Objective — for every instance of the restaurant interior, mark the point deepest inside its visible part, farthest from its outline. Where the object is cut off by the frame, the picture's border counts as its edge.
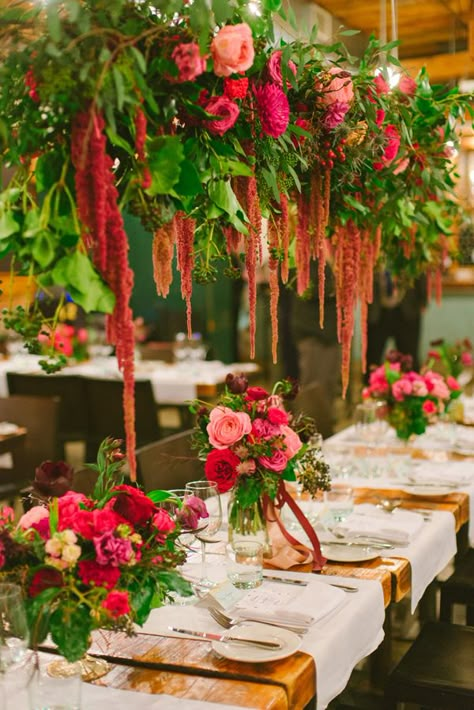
(236, 354)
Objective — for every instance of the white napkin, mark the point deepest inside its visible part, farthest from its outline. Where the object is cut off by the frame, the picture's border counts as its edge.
(8, 428)
(399, 527)
(439, 472)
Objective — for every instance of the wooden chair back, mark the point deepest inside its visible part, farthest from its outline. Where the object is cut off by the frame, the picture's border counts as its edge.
(169, 463)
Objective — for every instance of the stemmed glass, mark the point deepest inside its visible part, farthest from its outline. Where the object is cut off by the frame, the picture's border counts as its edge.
(208, 492)
(14, 635)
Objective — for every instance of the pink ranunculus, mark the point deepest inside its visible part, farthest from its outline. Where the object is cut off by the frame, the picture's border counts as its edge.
(112, 550)
(401, 388)
(392, 145)
(381, 86)
(339, 88)
(276, 462)
(274, 68)
(264, 429)
(429, 407)
(419, 388)
(277, 415)
(163, 521)
(407, 85)
(466, 359)
(227, 427)
(256, 393)
(33, 517)
(335, 114)
(291, 441)
(452, 383)
(232, 49)
(68, 507)
(187, 58)
(226, 112)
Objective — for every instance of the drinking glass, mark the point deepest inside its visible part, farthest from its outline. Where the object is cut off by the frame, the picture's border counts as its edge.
(339, 501)
(208, 492)
(244, 564)
(14, 635)
(370, 422)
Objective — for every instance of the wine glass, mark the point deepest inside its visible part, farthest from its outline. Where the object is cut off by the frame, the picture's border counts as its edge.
(14, 635)
(208, 492)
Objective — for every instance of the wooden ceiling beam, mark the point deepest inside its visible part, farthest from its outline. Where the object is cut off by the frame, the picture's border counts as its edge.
(443, 67)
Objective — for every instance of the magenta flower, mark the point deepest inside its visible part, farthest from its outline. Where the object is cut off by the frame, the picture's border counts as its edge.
(274, 68)
(111, 550)
(189, 61)
(273, 109)
(226, 113)
(335, 114)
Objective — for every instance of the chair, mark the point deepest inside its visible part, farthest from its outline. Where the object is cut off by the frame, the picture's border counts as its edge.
(169, 463)
(84, 481)
(459, 589)
(312, 401)
(72, 394)
(39, 415)
(437, 671)
(104, 401)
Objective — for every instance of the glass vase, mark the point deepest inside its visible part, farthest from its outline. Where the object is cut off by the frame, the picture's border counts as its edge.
(247, 523)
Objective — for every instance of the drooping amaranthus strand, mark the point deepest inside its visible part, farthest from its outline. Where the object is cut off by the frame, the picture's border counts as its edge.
(88, 152)
(252, 249)
(233, 239)
(303, 245)
(164, 240)
(370, 245)
(284, 222)
(318, 222)
(273, 262)
(347, 259)
(140, 139)
(185, 227)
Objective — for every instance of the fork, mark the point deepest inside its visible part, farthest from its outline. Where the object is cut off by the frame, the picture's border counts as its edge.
(227, 622)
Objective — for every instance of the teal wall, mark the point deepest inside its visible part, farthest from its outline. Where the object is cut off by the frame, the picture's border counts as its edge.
(452, 320)
(212, 304)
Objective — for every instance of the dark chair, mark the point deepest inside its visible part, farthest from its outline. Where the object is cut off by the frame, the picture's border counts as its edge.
(437, 671)
(169, 463)
(39, 415)
(311, 400)
(84, 481)
(104, 399)
(72, 394)
(459, 589)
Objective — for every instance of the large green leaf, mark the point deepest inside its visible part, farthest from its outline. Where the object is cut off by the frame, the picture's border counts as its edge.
(141, 596)
(222, 194)
(189, 183)
(70, 628)
(44, 248)
(8, 225)
(165, 156)
(77, 275)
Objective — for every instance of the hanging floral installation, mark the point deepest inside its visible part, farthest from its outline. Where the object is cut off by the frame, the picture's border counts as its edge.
(192, 117)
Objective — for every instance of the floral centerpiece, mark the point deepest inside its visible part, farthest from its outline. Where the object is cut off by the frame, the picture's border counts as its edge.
(413, 399)
(89, 562)
(66, 340)
(450, 358)
(251, 445)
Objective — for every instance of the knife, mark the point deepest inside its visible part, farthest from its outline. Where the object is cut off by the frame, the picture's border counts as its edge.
(275, 645)
(359, 543)
(285, 580)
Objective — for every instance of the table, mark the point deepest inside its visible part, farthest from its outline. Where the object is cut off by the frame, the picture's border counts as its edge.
(12, 442)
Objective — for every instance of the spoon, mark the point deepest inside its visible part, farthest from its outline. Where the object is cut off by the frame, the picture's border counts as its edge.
(389, 504)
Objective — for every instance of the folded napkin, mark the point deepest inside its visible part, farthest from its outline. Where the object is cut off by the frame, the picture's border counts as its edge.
(439, 472)
(398, 527)
(286, 556)
(8, 428)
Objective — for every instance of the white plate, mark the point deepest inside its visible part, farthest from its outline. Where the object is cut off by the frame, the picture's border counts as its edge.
(421, 490)
(290, 643)
(357, 553)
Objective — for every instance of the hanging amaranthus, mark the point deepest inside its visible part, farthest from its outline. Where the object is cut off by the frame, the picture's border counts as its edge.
(140, 139)
(284, 237)
(273, 262)
(252, 249)
(162, 253)
(369, 254)
(185, 227)
(303, 245)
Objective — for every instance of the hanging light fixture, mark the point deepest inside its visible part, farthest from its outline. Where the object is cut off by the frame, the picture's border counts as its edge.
(392, 74)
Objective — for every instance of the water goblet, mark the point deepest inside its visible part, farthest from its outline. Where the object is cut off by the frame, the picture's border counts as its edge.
(208, 492)
(244, 563)
(339, 501)
(14, 634)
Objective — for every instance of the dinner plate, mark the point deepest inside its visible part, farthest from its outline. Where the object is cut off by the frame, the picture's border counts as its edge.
(339, 553)
(290, 642)
(430, 491)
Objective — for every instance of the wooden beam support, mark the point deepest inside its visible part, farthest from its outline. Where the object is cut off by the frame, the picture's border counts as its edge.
(443, 67)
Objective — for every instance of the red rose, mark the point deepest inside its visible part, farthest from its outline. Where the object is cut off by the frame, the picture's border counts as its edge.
(44, 579)
(256, 393)
(91, 572)
(132, 504)
(277, 416)
(221, 467)
(236, 88)
(117, 604)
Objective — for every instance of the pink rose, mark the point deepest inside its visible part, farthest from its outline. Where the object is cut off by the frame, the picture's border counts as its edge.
(189, 61)
(401, 389)
(466, 359)
(335, 114)
(163, 521)
(274, 68)
(339, 88)
(256, 393)
(227, 427)
(33, 517)
(264, 429)
(291, 441)
(407, 85)
(381, 86)
(277, 415)
(68, 506)
(452, 383)
(226, 112)
(429, 407)
(276, 462)
(232, 49)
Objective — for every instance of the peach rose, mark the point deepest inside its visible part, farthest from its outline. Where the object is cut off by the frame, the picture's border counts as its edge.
(338, 89)
(292, 442)
(34, 515)
(232, 49)
(227, 427)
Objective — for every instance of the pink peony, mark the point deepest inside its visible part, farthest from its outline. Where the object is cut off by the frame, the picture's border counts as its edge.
(111, 550)
(264, 429)
(429, 407)
(227, 427)
(407, 85)
(226, 112)
(401, 388)
(335, 114)
(277, 415)
(276, 462)
(273, 109)
(291, 441)
(232, 49)
(336, 88)
(189, 61)
(392, 145)
(274, 68)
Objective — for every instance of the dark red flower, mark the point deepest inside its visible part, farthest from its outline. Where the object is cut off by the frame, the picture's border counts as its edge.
(236, 88)
(221, 467)
(256, 393)
(44, 579)
(237, 384)
(53, 478)
(91, 572)
(132, 504)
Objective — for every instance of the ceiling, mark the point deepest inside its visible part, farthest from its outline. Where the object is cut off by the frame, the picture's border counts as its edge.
(426, 29)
